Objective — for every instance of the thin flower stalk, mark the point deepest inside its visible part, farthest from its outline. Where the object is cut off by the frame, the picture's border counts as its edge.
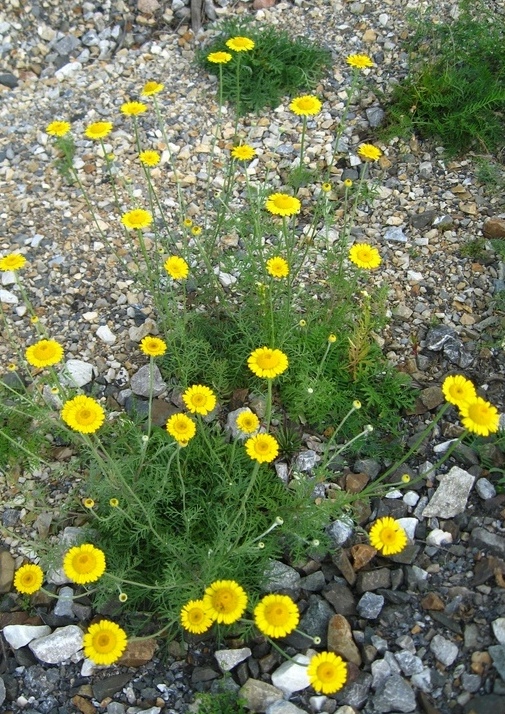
(334, 436)
(110, 173)
(180, 196)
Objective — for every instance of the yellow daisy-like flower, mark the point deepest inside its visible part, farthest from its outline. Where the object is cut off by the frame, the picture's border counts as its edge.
(83, 414)
(369, 152)
(480, 417)
(406, 478)
(34, 319)
(176, 267)
(387, 536)
(359, 61)
(149, 158)
(153, 346)
(199, 399)
(364, 256)
(88, 503)
(219, 57)
(181, 427)
(332, 338)
(104, 642)
(28, 579)
(282, 204)
(58, 128)
(277, 267)
(244, 152)
(133, 109)
(458, 390)
(113, 503)
(240, 44)
(84, 564)
(225, 601)
(326, 187)
(262, 447)
(196, 230)
(151, 88)
(12, 367)
(44, 353)
(187, 223)
(247, 422)
(12, 262)
(276, 615)
(306, 106)
(268, 363)
(327, 672)
(195, 617)
(137, 219)
(348, 183)
(98, 130)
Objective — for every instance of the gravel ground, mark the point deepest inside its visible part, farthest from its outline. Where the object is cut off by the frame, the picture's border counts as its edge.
(432, 645)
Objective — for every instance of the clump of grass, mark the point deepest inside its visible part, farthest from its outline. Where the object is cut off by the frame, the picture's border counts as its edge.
(455, 91)
(278, 66)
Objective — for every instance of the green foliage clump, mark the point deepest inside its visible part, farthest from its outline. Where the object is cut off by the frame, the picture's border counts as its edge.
(455, 89)
(277, 66)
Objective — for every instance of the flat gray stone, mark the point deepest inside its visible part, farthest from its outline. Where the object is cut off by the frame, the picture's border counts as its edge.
(291, 676)
(141, 382)
(451, 496)
(20, 635)
(77, 373)
(396, 696)
(282, 707)
(490, 542)
(370, 606)
(281, 577)
(340, 531)
(58, 646)
(499, 629)
(444, 650)
(63, 607)
(497, 653)
(228, 659)
(259, 695)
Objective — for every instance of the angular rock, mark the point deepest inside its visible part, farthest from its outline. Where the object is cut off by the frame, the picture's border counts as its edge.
(77, 373)
(497, 653)
(314, 623)
(63, 607)
(340, 640)
(307, 460)
(444, 650)
(58, 646)
(410, 664)
(362, 554)
(494, 228)
(108, 687)
(105, 334)
(20, 635)
(438, 537)
(228, 659)
(142, 384)
(279, 576)
(341, 597)
(490, 542)
(340, 531)
(314, 582)
(3, 693)
(137, 653)
(499, 629)
(291, 676)
(370, 580)
(381, 671)
(396, 696)
(370, 606)
(259, 695)
(7, 568)
(451, 496)
(357, 693)
(395, 234)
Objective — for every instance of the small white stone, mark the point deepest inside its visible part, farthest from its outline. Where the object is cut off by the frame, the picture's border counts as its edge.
(395, 493)
(105, 334)
(8, 298)
(499, 629)
(68, 70)
(77, 373)
(20, 635)
(409, 525)
(438, 537)
(411, 498)
(228, 659)
(90, 316)
(292, 676)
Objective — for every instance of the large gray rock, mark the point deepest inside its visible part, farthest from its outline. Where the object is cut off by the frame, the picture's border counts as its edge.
(258, 695)
(228, 659)
(451, 496)
(142, 384)
(280, 577)
(58, 646)
(20, 635)
(444, 650)
(396, 696)
(291, 676)
(490, 542)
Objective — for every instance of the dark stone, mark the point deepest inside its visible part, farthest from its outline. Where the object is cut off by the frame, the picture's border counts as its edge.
(341, 597)
(314, 623)
(40, 682)
(8, 80)
(109, 686)
(423, 220)
(370, 580)
(397, 695)
(490, 542)
(446, 621)
(10, 516)
(485, 704)
(356, 693)
(203, 674)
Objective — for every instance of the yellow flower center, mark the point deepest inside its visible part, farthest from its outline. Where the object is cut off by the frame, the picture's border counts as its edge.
(283, 201)
(388, 535)
(84, 563)
(104, 642)
(326, 672)
(195, 616)
(267, 360)
(28, 579)
(276, 615)
(224, 601)
(479, 413)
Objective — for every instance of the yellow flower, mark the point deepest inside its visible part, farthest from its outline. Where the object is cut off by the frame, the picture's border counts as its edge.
(387, 536)
(348, 183)
(195, 617)
(153, 346)
(356, 404)
(44, 353)
(151, 88)
(359, 61)
(302, 323)
(83, 414)
(458, 390)
(133, 109)
(332, 338)
(28, 579)
(122, 597)
(176, 267)
(262, 448)
(84, 564)
(277, 267)
(306, 106)
(58, 128)
(276, 615)
(369, 152)
(225, 601)
(199, 399)
(113, 503)
(247, 422)
(364, 256)
(34, 319)
(196, 230)
(405, 478)
(149, 158)
(326, 187)
(240, 44)
(282, 204)
(12, 262)
(137, 219)
(12, 367)
(244, 152)
(219, 57)
(98, 130)
(480, 417)
(187, 223)
(181, 427)
(104, 642)
(267, 362)
(88, 503)
(327, 672)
